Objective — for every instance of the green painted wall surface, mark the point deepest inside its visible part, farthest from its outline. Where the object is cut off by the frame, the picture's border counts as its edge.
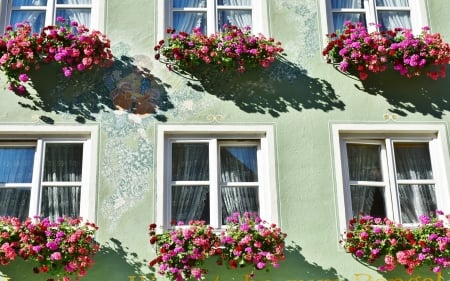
(300, 97)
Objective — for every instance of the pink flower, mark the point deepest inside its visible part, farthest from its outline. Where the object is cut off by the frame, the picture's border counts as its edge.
(56, 256)
(23, 77)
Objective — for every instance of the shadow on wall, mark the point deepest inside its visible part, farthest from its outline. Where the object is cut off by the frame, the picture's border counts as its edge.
(124, 86)
(415, 95)
(281, 87)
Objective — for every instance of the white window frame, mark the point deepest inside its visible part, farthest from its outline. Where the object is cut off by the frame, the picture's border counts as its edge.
(39, 135)
(264, 134)
(418, 13)
(434, 134)
(259, 16)
(97, 12)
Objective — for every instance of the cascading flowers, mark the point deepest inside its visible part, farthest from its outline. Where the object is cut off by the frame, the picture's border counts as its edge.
(408, 54)
(62, 248)
(71, 45)
(370, 239)
(233, 48)
(246, 241)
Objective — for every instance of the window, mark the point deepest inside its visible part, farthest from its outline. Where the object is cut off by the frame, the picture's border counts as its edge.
(45, 174)
(211, 15)
(210, 172)
(387, 14)
(394, 171)
(40, 13)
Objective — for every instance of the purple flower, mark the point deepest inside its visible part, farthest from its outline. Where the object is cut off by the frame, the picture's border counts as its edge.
(52, 245)
(23, 77)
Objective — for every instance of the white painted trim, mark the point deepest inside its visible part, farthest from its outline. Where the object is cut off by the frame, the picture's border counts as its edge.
(264, 133)
(438, 147)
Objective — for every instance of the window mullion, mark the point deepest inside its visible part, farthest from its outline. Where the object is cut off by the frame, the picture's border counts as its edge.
(35, 196)
(393, 210)
(50, 13)
(214, 187)
(211, 16)
(371, 14)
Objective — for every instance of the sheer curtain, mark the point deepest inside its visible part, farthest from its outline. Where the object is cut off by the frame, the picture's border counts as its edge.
(240, 18)
(80, 15)
(238, 165)
(186, 21)
(393, 19)
(339, 18)
(35, 17)
(63, 166)
(413, 163)
(364, 164)
(190, 162)
(16, 166)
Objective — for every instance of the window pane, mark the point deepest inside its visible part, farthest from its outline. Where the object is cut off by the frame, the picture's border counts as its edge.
(63, 162)
(82, 16)
(393, 19)
(234, 2)
(239, 200)
(16, 164)
(29, 3)
(368, 200)
(364, 162)
(392, 3)
(412, 161)
(239, 18)
(186, 21)
(190, 203)
(416, 200)
(75, 2)
(340, 18)
(190, 162)
(58, 201)
(35, 18)
(189, 3)
(238, 164)
(355, 4)
(14, 202)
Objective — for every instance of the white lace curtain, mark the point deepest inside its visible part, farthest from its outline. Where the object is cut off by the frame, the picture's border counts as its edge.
(412, 163)
(187, 20)
(37, 17)
(190, 162)
(388, 19)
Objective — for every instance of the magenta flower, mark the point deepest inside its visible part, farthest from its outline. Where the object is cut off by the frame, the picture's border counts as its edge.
(23, 77)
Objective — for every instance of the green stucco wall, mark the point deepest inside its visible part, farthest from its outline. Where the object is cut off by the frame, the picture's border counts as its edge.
(300, 97)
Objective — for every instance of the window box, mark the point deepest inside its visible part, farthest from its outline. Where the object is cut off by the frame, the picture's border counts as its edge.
(357, 50)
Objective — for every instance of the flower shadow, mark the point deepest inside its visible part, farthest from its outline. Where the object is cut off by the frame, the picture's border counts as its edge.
(86, 95)
(275, 90)
(410, 96)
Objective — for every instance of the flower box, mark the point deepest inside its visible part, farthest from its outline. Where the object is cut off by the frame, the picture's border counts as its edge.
(410, 55)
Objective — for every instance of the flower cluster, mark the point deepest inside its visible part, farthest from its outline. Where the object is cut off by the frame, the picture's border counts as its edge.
(408, 54)
(61, 248)
(233, 48)
(247, 240)
(71, 45)
(370, 239)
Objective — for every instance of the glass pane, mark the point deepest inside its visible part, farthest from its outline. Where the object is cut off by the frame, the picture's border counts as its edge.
(35, 18)
(393, 19)
(364, 162)
(16, 164)
(416, 200)
(14, 202)
(82, 16)
(392, 3)
(190, 203)
(340, 18)
(189, 3)
(239, 199)
(238, 164)
(190, 162)
(74, 2)
(59, 201)
(368, 200)
(355, 4)
(186, 21)
(29, 3)
(239, 18)
(234, 2)
(63, 162)
(412, 161)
